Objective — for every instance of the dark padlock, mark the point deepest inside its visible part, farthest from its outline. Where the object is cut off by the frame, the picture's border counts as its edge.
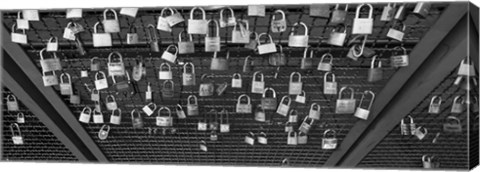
(375, 73)
(452, 125)
(269, 103)
(247, 64)
(137, 120)
(278, 58)
(219, 63)
(307, 63)
(123, 86)
(152, 38)
(168, 89)
(79, 44)
(206, 87)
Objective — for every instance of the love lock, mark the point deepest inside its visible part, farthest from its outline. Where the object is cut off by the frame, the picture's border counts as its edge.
(307, 63)
(185, 47)
(188, 78)
(339, 16)
(17, 137)
(401, 60)
(123, 86)
(219, 64)
(429, 162)
(295, 87)
(302, 138)
(97, 116)
(66, 87)
(434, 108)
(52, 44)
(363, 26)
(137, 121)
(314, 112)
(324, 66)
(180, 112)
(111, 25)
(388, 12)
(256, 10)
(278, 58)
(152, 38)
(293, 116)
(103, 133)
(230, 21)
(422, 9)
(149, 108)
(320, 10)
(301, 98)
(206, 87)
(116, 68)
(12, 103)
(212, 43)
(267, 47)
(363, 113)
(165, 72)
(100, 39)
(192, 108)
(51, 64)
(116, 117)
(269, 103)
(132, 35)
(284, 108)
(345, 105)
(292, 138)
(236, 80)
(162, 23)
(224, 122)
(49, 80)
(397, 32)
(197, 26)
(329, 142)
(110, 103)
(243, 107)
(329, 87)
(298, 40)
(20, 38)
(407, 129)
(260, 115)
(168, 89)
(258, 86)
(241, 36)
(164, 121)
(20, 118)
(375, 73)
(262, 138)
(452, 125)
(247, 64)
(306, 125)
(169, 56)
(250, 138)
(421, 135)
(213, 121)
(279, 25)
(458, 104)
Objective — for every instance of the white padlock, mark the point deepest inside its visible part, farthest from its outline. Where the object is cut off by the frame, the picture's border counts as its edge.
(363, 26)
(298, 40)
(197, 26)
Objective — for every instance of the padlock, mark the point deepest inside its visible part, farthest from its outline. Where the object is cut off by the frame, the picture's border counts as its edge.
(298, 40)
(329, 142)
(77, 28)
(278, 58)
(22, 23)
(363, 26)
(458, 105)
(267, 47)
(20, 38)
(83, 73)
(168, 89)
(12, 103)
(314, 111)
(337, 38)
(252, 43)
(362, 112)
(115, 68)
(250, 138)
(150, 108)
(164, 121)
(397, 32)
(212, 43)
(452, 125)
(422, 9)
(97, 116)
(110, 103)
(80, 48)
(401, 60)
(405, 128)
(138, 69)
(185, 47)
(301, 98)
(85, 115)
(169, 56)
(94, 66)
(269, 103)
(295, 87)
(116, 117)
(175, 18)
(206, 87)
(289, 127)
(101, 84)
(213, 121)
(320, 10)
(282, 107)
(388, 12)
(20, 118)
(434, 108)
(197, 26)
(247, 65)
(180, 112)
(345, 105)
(279, 25)
(123, 86)
(111, 25)
(357, 50)
(132, 12)
(162, 23)
(419, 134)
(74, 13)
(329, 87)
(324, 66)
(306, 125)
(258, 86)
(241, 36)
(213, 135)
(256, 10)
(224, 121)
(98, 106)
(203, 146)
(132, 35)
(100, 39)
(307, 63)
(52, 44)
(243, 107)
(293, 116)
(475, 105)
(229, 21)
(188, 78)
(74, 99)
(236, 80)
(466, 68)
(152, 38)
(292, 138)
(103, 133)
(69, 31)
(49, 80)
(202, 123)
(31, 15)
(429, 162)
(148, 93)
(50, 64)
(17, 137)
(400, 13)
(302, 138)
(375, 73)
(260, 115)
(219, 64)
(262, 138)
(192, 108)
(95, 95)
(165, 72)
(339, 16)
(65, 87)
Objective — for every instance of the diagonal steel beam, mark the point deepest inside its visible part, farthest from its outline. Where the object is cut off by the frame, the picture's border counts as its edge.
(34, 75)
(433, 71)
(445, 23)
(473, 34)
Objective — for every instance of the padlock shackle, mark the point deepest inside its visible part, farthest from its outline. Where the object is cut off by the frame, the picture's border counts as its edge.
(372, 64)
(190, 97)
(95, 111)
(306, 51)
(111, 97)
(311, 120)
(163, 10)
(281, 12)
(53, 38)
(236, 75)
(180, 36)
(154, 106)
(435, 98)
(327, 55)
(20, 115)
(239, 22)
(11, 96)
(15, 125)
(165, 64)
(371, 100)
(283, 99)
(43, 50)
(362, 47)
(133, 112)
(103, 128)
(192, 66)
(99, 72)
(352, 92)
(120, 57)
(217, 28)
(338, 5)
(126, 75)
(224, 112)
(204, 76)
(93, 59)
(239, 100)
(68, 76)
(333, 132)
(231, 12)
(14, 25)
(370, 13)
(204, 17)
(341, 25)
(213, 111)
(255, 76)
(132, 28)
(296, 74)
(117, 110)
(326, 76)
(290, 134)
(424, 129)
(19, 15)
(459, 97)
(397, 26)
(260, 36)
(151, 33)
(88, 109)
(454, 118)
(159, 112)
(245, 62)
(174, 46)
(264, 95)
(299, 23)
(166, 82)
(401, 49)
(315, 105)
(105, 14)
(293, 112)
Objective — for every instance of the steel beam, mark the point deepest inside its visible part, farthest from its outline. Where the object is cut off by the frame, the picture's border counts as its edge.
(445, 23)
(473, 34)
(34, 75)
